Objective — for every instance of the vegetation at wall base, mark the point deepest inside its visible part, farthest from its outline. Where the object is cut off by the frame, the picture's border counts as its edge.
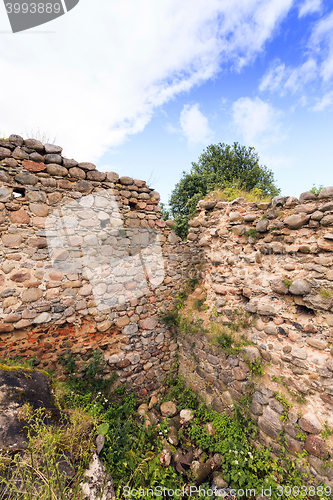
(230, 171)
(134, 443)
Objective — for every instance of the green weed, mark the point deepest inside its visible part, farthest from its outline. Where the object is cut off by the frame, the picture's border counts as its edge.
(316, 190)
(327, 432)
(251, 232)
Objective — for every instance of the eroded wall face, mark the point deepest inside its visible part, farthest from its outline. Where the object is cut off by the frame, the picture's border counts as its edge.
(270, 264)
(86, 263)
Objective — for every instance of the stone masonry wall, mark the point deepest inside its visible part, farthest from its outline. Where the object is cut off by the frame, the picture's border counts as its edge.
(85, 262)
(275, 263)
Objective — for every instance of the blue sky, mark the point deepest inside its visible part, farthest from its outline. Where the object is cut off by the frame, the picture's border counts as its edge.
(142, 87)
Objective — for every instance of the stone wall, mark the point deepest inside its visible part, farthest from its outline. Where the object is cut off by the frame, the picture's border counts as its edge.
(273, 264)
(85, 262)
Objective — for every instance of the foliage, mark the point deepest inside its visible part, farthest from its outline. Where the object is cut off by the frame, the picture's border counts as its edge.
(164, 211)
(300, 398)
(92, 379)
(239, 320)
(326, 294)
(327, 432)
(227, 341)
(230, 168)
(256, 367)
(224, 340)
(251, 232)
(39, 472)
(18, 363)
(286, 405)
(172, 317)
(244, 466)
(131, 453)
(185, 396)
(316, 190)
(132, 448)
(235, 189)
(287, 283)
(199, 303)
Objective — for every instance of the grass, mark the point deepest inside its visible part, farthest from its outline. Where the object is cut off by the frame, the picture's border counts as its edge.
(234, 191)
(327, 432)
(326, 294)
(18, 364)
(172, 317)
(251, 232)
(133, 446)
(227, 340)
(287, 283)
(198, 304)
(316, 190)
(256, 368)
(43, 137)
(58, 452)
(239, 320)
(298, 397)
(53, 465)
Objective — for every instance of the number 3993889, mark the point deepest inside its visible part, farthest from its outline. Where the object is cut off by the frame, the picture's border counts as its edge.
(33, 8)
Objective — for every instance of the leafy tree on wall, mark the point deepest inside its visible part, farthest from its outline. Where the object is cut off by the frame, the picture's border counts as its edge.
(219, 166)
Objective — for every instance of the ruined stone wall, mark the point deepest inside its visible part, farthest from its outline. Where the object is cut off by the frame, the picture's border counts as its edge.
(270, 264)
(85, 262)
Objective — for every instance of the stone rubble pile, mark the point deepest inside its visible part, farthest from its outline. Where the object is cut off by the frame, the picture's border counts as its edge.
(191, 462)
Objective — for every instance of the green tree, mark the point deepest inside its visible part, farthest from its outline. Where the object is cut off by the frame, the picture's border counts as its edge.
(219, 166)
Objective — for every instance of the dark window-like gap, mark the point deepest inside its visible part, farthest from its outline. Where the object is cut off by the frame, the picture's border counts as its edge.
(19, 192)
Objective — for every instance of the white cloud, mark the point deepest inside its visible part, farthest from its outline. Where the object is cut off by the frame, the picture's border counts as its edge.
(324, 102)
(277, 161)
(281, 78)
(309, 7)
(321, 42)
(256, 120)
(318, 67)
(195, 125)
(99, 77)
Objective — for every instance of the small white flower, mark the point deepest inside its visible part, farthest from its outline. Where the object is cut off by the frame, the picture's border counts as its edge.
(236, 452)
(236, 462)
(242, 452)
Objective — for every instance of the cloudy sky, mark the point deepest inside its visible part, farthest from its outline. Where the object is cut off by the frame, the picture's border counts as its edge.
(141, 87)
